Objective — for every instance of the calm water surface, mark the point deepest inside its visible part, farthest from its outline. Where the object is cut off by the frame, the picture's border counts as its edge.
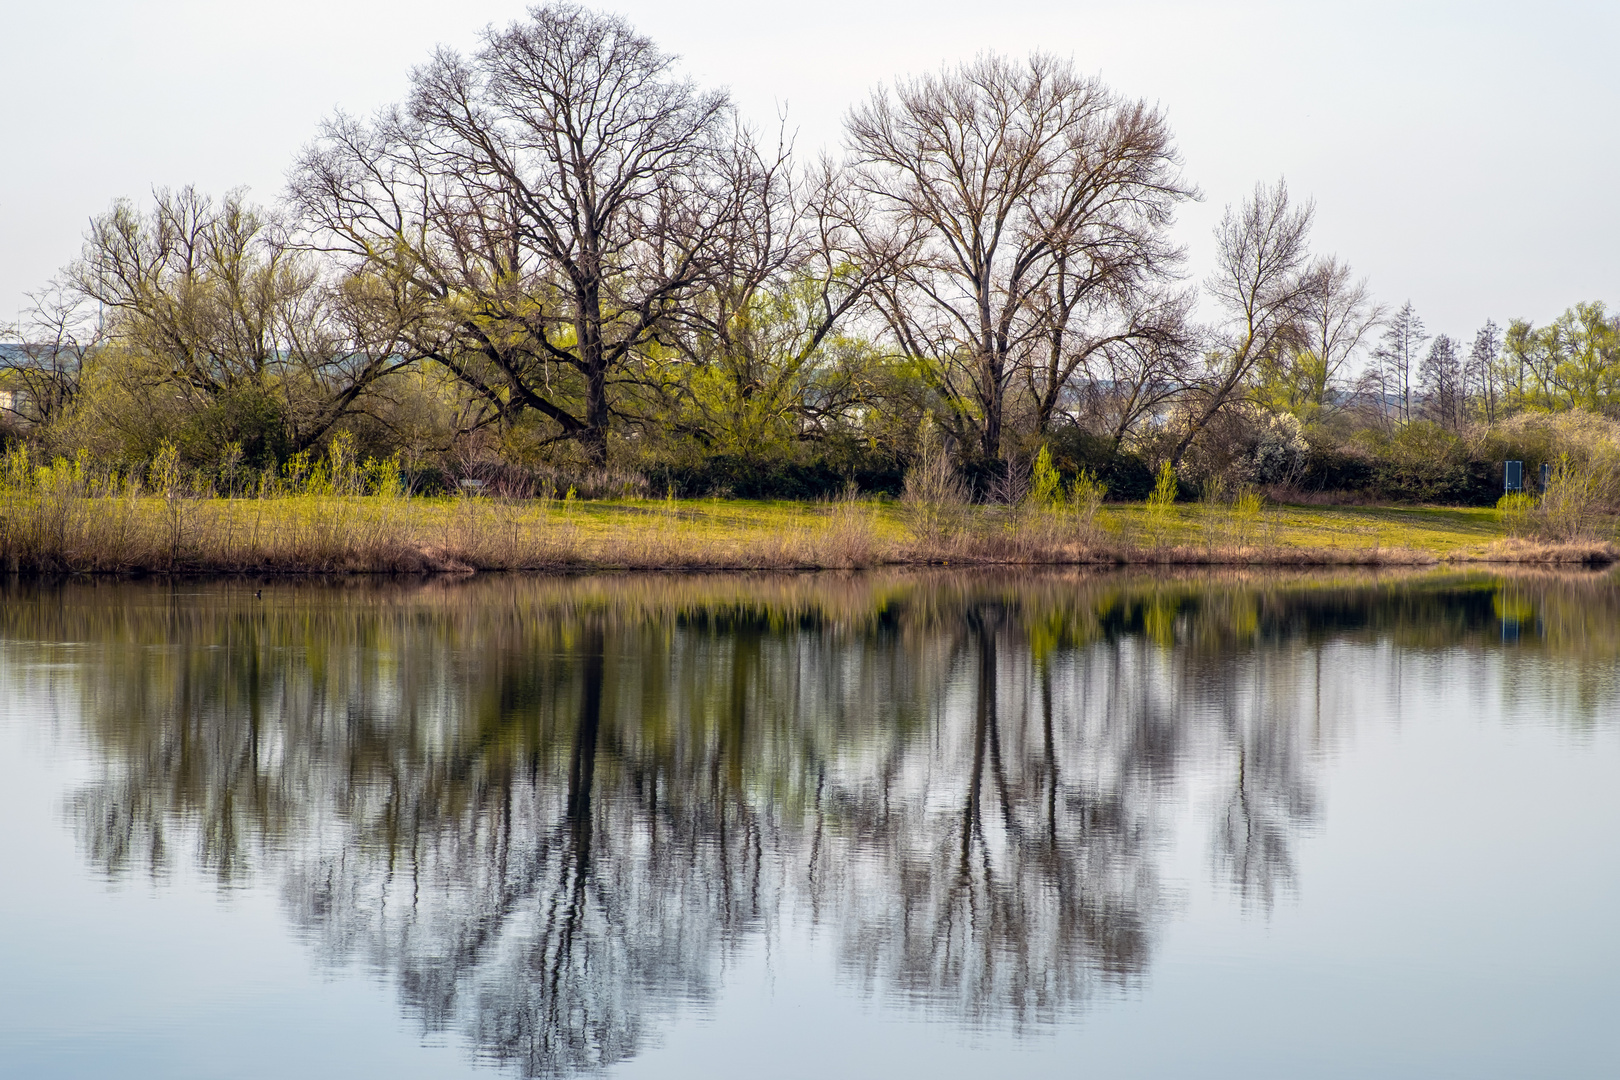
(879, 826)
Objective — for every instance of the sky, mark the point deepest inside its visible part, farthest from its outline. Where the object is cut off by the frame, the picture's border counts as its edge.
(1463, 156)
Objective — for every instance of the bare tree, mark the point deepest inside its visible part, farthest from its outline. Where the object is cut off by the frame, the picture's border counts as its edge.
(1444, 383)
(1482, 369)
(210, 299)
(1130, 380)
(1032, 203)
(766, 356)
(1339, 314)
(1265, 290)
(546, 203)
(1398, 361)
(42, 373)
(1132, 366)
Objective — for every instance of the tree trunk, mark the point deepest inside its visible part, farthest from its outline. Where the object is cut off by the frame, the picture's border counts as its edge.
(992, 395)
(594, 437)
(589, 331)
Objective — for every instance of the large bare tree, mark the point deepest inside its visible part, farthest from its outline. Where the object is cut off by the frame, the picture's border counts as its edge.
(546, 203)
(1033, 204)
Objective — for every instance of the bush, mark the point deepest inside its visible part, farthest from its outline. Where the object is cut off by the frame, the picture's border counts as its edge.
(935, 499)
(1397, 473)
(1085, 496)
(1518, 514)
(1575, 493)
(807, 471)
(1125, 475)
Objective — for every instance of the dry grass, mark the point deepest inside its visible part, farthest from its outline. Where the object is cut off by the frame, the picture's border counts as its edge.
(1549, 552)
(75, 528)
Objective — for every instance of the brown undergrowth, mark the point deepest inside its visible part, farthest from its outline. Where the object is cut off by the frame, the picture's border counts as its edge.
(1547, 552)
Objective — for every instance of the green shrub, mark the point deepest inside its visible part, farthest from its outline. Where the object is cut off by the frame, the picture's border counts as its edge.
(1517, 512)
(1046, 486)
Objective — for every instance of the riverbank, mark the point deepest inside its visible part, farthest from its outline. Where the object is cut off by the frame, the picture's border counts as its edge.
(45, 533)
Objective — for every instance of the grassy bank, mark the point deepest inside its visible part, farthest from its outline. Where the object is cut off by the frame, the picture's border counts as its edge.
(61, 530)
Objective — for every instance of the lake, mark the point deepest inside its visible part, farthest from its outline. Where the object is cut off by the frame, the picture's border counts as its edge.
(877, 825)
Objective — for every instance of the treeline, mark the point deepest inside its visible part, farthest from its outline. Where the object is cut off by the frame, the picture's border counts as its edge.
(557, 263)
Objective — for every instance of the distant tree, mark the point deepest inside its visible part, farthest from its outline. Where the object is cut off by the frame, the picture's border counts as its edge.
(1264, 288)
(1442, 378)
(1483, 376)
(1398, 359)
(1336, 318)
(1032, 205)
(1522, 363)
(43, 371)
(1339, 314)
(1583, 350)
(1571, 363)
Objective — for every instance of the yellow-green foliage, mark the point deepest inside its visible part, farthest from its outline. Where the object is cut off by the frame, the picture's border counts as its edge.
(1086, 495)
(1164, 489)
(1046, 486)
(1518, 513)
(1572, 363)
(1246, 510)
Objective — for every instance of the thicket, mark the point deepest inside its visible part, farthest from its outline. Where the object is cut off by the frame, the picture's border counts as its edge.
(708, 314)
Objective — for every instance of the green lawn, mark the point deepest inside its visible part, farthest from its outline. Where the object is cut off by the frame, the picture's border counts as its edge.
(1436, 530)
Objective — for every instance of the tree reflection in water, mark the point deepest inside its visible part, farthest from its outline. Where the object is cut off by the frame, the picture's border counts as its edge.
(549, 811)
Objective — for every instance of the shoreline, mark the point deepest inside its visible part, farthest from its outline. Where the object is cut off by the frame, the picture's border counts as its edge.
(358, 535)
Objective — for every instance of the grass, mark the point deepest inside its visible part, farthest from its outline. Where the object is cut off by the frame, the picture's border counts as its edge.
(1436, 531)
(70, 527)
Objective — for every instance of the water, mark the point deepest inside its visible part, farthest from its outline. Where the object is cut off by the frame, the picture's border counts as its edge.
(893, 825)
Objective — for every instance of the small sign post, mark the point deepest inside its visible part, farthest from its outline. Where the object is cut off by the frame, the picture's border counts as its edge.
(1512, 477)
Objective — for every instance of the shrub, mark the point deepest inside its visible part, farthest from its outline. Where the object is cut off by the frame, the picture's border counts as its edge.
(1517, 512)
(1279, 454)
(1046, 486)
(1577, 490)
(1086, 495)
(1160, 502)
(1246, 510)
(934, 500)
(1165, 489)
(1124, 475)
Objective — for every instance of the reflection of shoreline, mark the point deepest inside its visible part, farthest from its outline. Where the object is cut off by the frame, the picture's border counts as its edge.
(548, 812)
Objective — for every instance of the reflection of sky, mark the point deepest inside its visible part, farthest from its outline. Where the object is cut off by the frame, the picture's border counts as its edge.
(162, 979)
(1451, 912)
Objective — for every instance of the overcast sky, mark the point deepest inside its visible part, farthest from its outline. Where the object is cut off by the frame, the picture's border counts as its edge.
(1465, 156)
